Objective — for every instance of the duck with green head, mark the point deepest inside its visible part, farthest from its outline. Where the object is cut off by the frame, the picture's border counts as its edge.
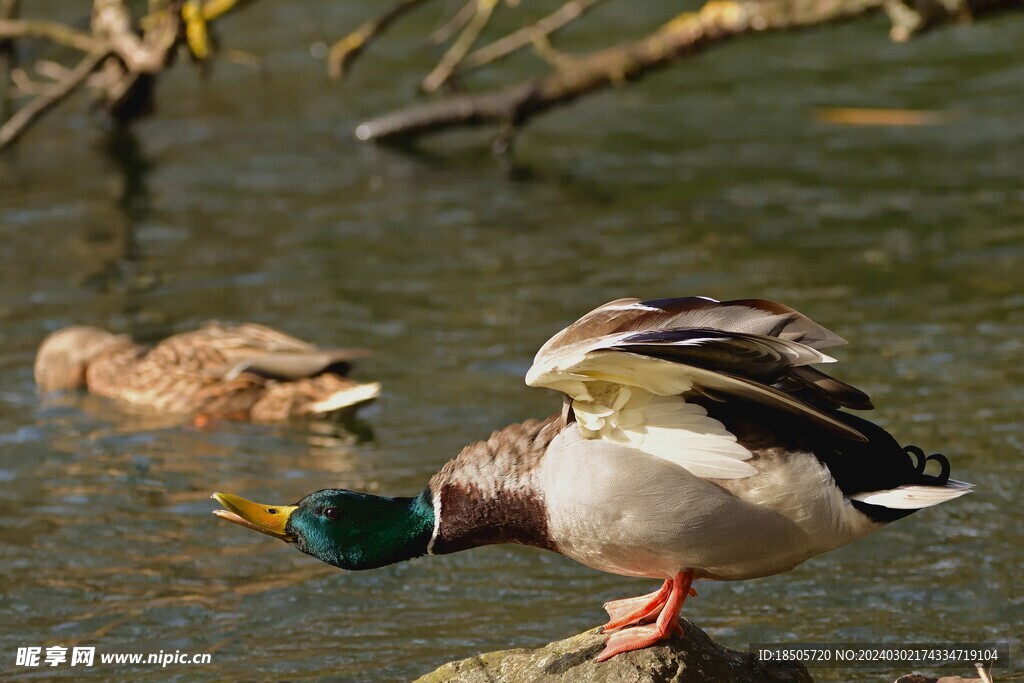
(695, 441)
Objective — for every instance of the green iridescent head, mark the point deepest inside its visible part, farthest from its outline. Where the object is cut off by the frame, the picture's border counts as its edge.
(347, 529)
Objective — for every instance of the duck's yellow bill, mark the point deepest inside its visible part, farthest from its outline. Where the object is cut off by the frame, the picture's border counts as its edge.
(266, 519)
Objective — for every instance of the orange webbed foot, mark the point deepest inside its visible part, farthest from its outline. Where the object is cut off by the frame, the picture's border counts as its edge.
(634, 610)
(665, 604)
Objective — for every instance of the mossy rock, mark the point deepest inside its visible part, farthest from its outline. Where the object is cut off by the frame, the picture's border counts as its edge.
(692, 658)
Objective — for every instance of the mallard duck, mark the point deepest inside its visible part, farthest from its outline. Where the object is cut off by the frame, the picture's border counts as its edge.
(695, 441)
(246, 372)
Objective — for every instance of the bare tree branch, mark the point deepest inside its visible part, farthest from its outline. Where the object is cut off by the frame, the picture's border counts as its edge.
(130, 58)
(131, 54)
(14, 127)
(715, 23)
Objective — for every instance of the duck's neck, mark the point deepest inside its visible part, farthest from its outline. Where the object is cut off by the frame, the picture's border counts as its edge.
(490, 494)
(406, 532)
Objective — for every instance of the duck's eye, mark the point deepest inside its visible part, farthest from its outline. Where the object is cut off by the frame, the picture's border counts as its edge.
(332, 513)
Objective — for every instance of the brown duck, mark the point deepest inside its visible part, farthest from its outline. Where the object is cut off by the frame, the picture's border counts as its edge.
(245, 372)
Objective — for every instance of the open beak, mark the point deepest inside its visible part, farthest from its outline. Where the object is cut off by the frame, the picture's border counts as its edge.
(266, 519)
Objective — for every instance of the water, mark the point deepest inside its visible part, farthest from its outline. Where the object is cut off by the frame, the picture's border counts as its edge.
(244, 200)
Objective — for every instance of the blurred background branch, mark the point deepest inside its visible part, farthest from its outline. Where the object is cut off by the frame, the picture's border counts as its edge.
(532, 34)
(572, 77)
(346, 50)
(124, 56)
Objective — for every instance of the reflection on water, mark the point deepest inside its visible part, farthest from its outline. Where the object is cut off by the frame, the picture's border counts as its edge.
(107, 249)
(241, 201)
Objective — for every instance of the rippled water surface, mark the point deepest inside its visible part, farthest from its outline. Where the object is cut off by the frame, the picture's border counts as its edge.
(244, 199)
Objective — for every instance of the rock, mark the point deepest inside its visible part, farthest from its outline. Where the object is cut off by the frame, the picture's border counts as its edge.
(693, 658)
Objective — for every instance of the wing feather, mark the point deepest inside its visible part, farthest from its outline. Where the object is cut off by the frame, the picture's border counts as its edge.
(750, 316)
(627, 367)
(224, 352)
(915, 496)
(755, 356)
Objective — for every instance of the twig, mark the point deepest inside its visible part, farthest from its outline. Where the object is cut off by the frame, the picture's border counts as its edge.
(454, 24)
(248, 60)
(346, 50)
(48, 30)
(560, 18)
(50, 69)
(27, 115)
(546, 51)
(24, 85)
(462, 45)
(873, 116)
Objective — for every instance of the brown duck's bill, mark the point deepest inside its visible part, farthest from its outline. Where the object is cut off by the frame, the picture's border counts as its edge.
(266, 519)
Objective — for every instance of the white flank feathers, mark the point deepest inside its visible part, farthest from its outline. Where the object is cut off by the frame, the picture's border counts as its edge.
(346, 397)
(915, 496)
